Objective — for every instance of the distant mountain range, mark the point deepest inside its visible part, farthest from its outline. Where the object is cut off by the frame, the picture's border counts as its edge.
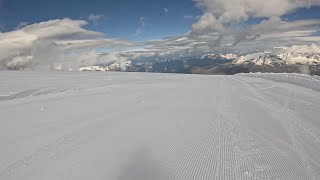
(306, 63)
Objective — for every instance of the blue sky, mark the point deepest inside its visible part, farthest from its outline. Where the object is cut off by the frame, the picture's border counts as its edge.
(120, 17)
(76, 32)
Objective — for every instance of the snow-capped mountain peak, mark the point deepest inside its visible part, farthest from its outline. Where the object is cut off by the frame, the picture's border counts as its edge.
(261, 59)
(117, 66)
(229, 56)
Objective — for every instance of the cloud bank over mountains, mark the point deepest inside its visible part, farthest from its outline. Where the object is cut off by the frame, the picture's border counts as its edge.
(55, 43)
(66, 43)
(312, 49)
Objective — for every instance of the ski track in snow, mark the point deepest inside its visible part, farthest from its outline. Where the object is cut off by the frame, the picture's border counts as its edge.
(135, 126)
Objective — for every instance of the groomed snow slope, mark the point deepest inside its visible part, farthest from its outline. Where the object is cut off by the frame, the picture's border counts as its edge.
(136, 126)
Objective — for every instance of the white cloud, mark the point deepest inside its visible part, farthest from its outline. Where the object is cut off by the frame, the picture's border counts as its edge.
(142, 21)
(61, 42)
(141, 26)
(60, 28)
(294, 32)
(22, 24)
(112, 57)
(207, 23)
(240, 10)
(260, 37)
(95, 17)
(19, 62)
(165, 10)
(313, 48)
(225, 18)
(275, 24)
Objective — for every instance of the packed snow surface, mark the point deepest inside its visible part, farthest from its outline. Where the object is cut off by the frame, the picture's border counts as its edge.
(136, 126)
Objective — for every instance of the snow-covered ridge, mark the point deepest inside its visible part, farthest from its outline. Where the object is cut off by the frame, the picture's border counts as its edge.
(261, 59)
(92, 68)
(265, 58)
(112, 67)
(256, 59)
(303, 80)
(229, 56)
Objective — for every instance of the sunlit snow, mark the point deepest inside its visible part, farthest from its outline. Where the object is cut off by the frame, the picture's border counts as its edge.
(135, 126)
